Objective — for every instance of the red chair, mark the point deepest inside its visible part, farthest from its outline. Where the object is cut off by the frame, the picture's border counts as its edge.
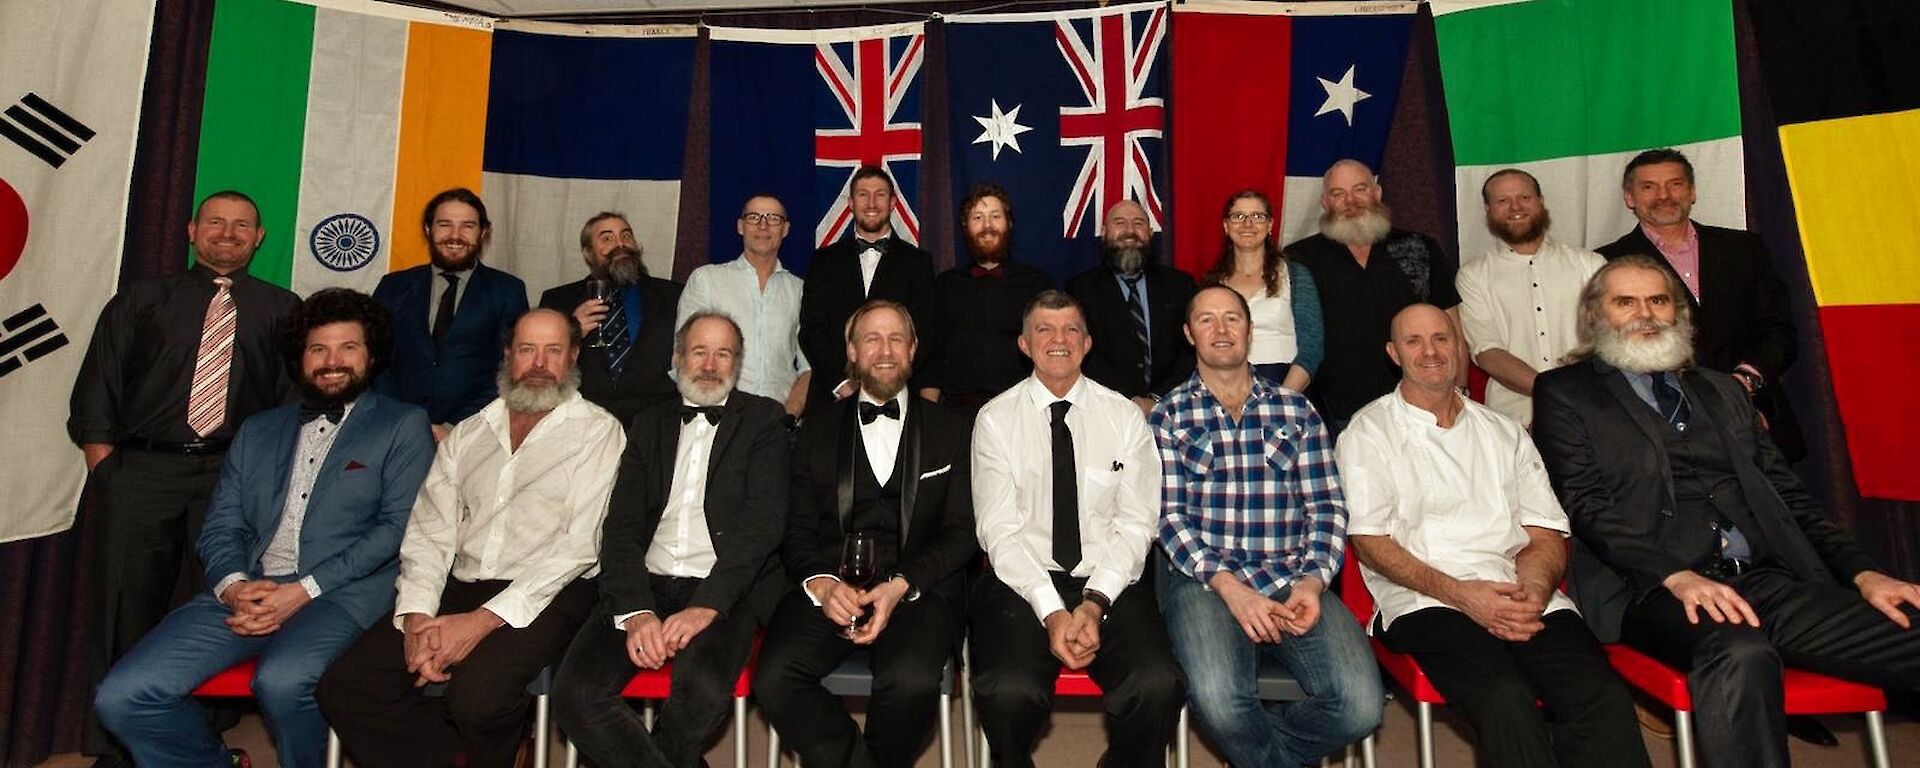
(1405, 672)
(650, 685)
(1807, 693)
(236, 682)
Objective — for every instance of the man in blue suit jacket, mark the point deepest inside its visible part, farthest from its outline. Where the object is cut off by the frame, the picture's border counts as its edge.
(450, 316)
(300, 545)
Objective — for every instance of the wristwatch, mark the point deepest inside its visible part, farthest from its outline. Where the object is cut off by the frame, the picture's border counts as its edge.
(1100, 599)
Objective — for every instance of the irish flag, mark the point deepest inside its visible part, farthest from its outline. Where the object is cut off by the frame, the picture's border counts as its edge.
(1571, 89)
(341, 118)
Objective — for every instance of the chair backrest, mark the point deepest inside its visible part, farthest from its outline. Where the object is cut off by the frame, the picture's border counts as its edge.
(1353, 589)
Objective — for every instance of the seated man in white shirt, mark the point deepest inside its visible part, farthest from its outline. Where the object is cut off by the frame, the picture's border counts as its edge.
(1461, 542)
(1066, 496)
(689, 570)
(493, 569)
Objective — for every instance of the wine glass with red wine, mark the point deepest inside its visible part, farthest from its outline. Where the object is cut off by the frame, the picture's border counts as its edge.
(858, 569)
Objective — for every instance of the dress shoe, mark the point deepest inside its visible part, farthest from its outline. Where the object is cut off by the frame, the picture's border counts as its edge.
(1810, 730)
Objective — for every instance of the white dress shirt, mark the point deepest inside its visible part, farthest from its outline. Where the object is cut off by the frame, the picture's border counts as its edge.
(1526, 305)
(282, 555)
(530, 516)
(682, 546)
(1273, 339)
(769, 321)
(1117, 479)
(1456, 498)
(869, 264)
(881, 439)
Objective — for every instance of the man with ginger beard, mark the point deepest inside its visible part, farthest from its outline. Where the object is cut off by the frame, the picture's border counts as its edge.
(450, 316)
(981, 303)
(1517, 300)
(1698, 544)
(1134, 310)
(495, 568)
(1366, 271)
(895, 467)
(629, 372)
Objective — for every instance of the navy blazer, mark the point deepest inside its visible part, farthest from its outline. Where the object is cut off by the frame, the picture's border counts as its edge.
(350, 540)
(1116, 360)
(454, 379)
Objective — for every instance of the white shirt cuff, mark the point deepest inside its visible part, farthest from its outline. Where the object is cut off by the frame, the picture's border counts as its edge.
(809, 592)
(231, 579)
(1108, 583)
(1045, 600)
(511, 609)
(620, 621)
(312, 586)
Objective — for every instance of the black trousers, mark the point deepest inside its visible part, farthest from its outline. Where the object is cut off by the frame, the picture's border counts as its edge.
(1141, 684)
(802, 646)
(587, 690)
(149, 509)
(369, 698)
(1588, 716)
(1734, 670)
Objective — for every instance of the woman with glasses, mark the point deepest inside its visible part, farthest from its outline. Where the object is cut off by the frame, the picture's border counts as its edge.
(1287, 340)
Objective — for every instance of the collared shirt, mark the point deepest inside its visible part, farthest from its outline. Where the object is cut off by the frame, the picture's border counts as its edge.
(769, 319)
(881, 439)
(682, 546)
(1117, 479)
(1526, 305)
(1683, 254)
(1458, 498)
(870, 255)
(438, 288)
(530, 516)
(1258, 497)
(282, 555)
(1146, 302)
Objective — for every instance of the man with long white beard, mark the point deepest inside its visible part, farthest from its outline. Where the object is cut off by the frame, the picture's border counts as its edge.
(494, 568)
(1367, 271)
(1698, 545)
(625, 370)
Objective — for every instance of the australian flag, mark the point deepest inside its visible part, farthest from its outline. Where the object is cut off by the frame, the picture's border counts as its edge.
(1068, 112)
(795, 112)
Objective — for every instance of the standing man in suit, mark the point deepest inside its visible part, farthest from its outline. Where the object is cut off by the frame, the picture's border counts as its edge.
(1743, 324)
(630, 372)
(495, 568)
(688, 562)
(893, 466)
(872, 264)
(980, 305)
(299, 544)
(1134, 308)
(154, 408)
(1699, 545)
(450, 316)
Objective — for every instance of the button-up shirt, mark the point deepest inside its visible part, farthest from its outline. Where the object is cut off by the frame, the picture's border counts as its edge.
(769, 320)
(1683, 254)
(1117, 478)
(282, 555)
(1528, 305)
(1458, 498)
(529, 516)
(1258, 497)
(682, 546)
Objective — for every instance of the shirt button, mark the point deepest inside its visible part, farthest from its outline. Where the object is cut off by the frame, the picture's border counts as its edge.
(303, 495)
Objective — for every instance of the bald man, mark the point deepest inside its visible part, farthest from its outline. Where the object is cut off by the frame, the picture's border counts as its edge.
(1134, 308)
(1461, 542)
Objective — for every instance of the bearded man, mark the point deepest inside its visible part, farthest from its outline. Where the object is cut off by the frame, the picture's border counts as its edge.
(1367, 271)
(1135, 311)
(494, 568)
(449, 315)
(625, 369)
(981, 302)
(1697, 543)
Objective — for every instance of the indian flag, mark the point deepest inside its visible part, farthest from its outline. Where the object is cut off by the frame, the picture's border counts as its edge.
(341, 118)
(1571, 89)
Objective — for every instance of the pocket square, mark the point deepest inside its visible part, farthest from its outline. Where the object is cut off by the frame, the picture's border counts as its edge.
(936, 473)
(353, 465)
(1117, 466)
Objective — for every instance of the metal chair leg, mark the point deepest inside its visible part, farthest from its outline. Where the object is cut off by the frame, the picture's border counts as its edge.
(573, 753)
(974, 759)
(739, 732)
(1426, 734)
(946, 730)
(1366, 752)
(646, 713)
(1683, 736)
(1877, 739)
(333, 749)
(773, 747)
(1181, 753)
(543, 729)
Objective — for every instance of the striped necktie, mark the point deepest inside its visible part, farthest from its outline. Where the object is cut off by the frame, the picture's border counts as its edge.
(1137, 306)
(615, 332)
(207, 400)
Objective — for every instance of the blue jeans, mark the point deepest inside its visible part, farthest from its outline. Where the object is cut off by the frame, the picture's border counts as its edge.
(1332, 661)
(146, 699)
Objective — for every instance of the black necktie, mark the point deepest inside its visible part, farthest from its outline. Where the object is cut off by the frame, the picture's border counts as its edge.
(1066, 494)
(869, 411)
(1137, 306)
(1672, 403)
(712, 412)
(332, 412)
(443, 317)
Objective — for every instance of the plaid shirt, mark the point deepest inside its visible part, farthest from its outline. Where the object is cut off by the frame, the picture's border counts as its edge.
(1259, 499)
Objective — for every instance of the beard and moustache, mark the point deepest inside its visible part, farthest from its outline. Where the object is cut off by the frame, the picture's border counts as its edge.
(536, 391)
(623, 266)
(1365, 229)
(875, 384)
(703, 389)
(1126, 258)
(1625, 349)
(451, 263)
(1515, 233)
(990, 253)
(312, 394)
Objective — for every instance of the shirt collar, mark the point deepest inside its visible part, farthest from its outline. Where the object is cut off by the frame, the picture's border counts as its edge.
(1041, 398)
(1691, 238)
(741, 264)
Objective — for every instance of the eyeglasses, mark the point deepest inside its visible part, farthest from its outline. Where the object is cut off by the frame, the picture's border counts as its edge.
(1242, 217)
(754, 218)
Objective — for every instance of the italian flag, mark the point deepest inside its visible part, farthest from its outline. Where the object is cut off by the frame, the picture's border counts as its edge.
(1569, 90)
(342, 118)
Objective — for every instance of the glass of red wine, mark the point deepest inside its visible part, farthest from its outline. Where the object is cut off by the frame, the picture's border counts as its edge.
(601, 289)
(858, 569)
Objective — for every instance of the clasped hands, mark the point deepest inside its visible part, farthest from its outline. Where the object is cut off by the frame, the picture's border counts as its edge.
(260, 606)
(651, 643)
(1074, 636)
(842, 604)
(1264, 619)
(1508, 610)
(435, 644)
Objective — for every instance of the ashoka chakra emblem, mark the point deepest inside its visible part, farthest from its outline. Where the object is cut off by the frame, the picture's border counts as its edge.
(344, 242)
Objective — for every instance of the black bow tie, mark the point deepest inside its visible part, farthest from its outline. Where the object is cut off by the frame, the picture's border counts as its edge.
(332, 412)
(878, 245)
(712, 412)
(869, 411)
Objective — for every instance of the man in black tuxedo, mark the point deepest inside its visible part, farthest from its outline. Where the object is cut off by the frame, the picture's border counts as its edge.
(895, 467)
(1698, 544)
(629, 373)
(687, 566)
(1135, 309)
(872, 264)
(1743, 324)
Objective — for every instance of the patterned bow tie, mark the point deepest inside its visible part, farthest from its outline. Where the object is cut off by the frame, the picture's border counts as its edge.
(869, 411)
(332, 412)
(712, 412)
